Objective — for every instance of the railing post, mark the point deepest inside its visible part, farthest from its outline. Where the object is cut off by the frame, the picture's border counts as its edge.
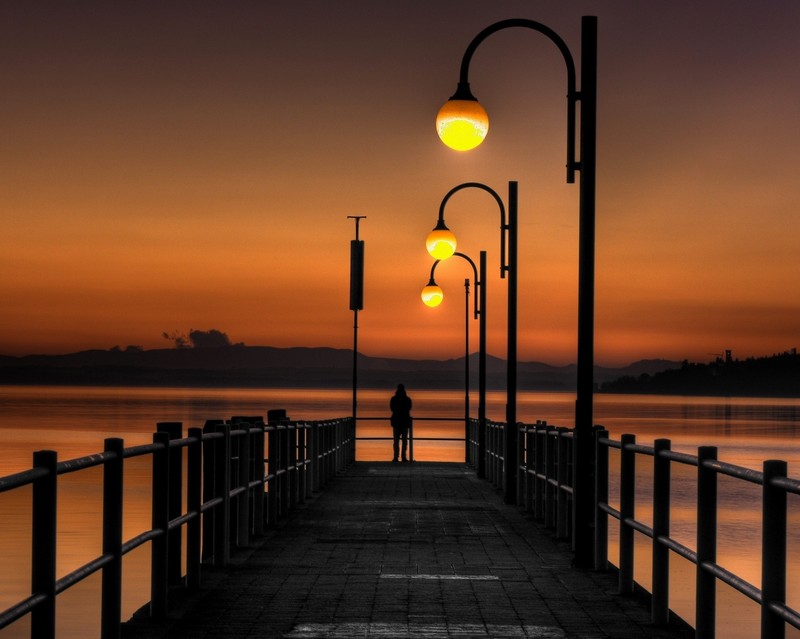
(258, 469)
(520, 461)
(43, 544)
(159, 547)
(659, 603)
(193, 505)
(562, 478)
(243, 500)
(291, 465)
(175, 430)
(601, 497)
(111, 607)
(302, 466)
(627, 501)
(272, 471)
(706, 588)
(283, 436)
(313, 454)
(209, 485)
(222, 489)
(530, 469)
(550, 440)
(540, 435)
(773, 550)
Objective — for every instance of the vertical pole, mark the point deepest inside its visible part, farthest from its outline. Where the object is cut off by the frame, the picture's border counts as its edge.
(356, 299)
(313, 455)
(272, 470)
(466, 370)
(482, 371)
(583, 484)
(627, 501)
(193, 504)
(209, 486)
(43, 544)
(159, 548)
(243, 500)
(539, 435)
(773, 550)
(510, 431)
(706, 588)
(111, 608)
(601, 497)
(659, 605)
(222, 489)
(562, 509)
(551, 440)
(175, 497)
(258, 469)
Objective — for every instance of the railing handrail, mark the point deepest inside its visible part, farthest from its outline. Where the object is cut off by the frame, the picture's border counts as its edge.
(775, 610)
(302, 456)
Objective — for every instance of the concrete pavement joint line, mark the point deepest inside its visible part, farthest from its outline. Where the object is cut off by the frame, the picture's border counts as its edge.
(421, 631)
(443, 577)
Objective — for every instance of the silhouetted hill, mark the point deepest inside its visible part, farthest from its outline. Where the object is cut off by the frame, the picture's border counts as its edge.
(774, 376)
(266, 366)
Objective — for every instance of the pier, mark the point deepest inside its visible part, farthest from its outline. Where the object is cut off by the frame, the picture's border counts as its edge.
(275, 530)
(423, 550)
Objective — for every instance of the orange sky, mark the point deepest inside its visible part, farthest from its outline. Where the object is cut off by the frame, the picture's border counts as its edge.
(168, 166)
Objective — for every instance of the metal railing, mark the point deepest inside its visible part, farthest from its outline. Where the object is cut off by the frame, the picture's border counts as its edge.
(545, 472)
(775, 486)
(411, 437)
(229, 465)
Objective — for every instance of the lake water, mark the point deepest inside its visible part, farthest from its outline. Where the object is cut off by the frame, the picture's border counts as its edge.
(74, 421)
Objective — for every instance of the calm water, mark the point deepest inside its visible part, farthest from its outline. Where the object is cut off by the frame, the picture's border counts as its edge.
(74, 421)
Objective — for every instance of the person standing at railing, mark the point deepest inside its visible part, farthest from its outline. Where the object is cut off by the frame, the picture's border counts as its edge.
(400, 405)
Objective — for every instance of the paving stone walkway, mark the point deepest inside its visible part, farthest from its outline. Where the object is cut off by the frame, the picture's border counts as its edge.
(422, 550)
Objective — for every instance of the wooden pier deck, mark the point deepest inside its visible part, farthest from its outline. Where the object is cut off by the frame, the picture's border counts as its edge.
(414, 550)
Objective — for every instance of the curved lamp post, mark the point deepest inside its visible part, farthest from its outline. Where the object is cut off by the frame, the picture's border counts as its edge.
(432, 295)
(441, 244)
(462, 124)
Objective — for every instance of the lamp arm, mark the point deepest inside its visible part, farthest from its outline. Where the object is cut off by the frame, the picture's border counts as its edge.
(432, 282)
(503, 225)
(572, 94)
(474, 279)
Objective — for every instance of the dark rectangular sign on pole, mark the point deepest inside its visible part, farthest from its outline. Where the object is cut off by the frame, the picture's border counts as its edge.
(356, 275)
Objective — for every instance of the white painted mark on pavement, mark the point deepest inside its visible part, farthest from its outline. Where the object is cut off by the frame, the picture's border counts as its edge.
(443, 577)
(421, 631)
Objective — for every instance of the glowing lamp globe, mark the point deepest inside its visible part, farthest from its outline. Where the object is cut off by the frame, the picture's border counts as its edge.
(432, 295)
(441, 242)
(462, 124)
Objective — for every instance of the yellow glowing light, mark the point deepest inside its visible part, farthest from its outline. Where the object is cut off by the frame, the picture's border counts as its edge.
(462, 124)
(441, 243)
(432, 295)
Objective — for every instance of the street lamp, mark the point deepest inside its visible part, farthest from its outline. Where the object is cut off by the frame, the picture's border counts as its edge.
(462, 124)
(432, 295)
(508, 266)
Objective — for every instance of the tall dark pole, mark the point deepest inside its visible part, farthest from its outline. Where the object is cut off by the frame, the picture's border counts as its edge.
(356, 299)
(510, 444)
(583, 500)
(482, 371)
(466, 370)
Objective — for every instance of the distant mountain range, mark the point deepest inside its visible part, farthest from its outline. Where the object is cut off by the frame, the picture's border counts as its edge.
(265, 366)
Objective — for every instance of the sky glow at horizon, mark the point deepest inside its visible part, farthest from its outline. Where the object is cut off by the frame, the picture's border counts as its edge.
(191, 165)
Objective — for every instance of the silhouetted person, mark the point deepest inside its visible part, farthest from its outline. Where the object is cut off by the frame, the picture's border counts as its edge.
(400, 405)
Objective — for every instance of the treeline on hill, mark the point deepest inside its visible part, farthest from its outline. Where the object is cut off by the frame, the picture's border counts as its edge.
(775, 376)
